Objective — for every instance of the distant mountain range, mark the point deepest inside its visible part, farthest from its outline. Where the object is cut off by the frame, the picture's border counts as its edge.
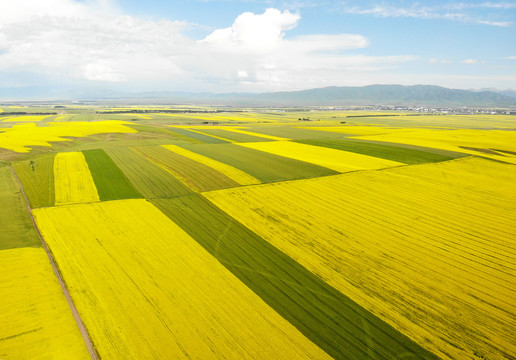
(415, 95)
(506, 92)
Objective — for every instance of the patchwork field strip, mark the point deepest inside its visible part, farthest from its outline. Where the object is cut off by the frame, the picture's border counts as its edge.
(251, 133)
(35, 321)
(263, 166)
(486, 143)
(379, 150)
(15, 222)
(341, 161)
(231, 135)
(294, 133)
(198, 136)
(149, 179)
(428, 248)
(110, 181)
(72, 179)
(195, 175)
(327, 317)
(165, 297)
(233, 173)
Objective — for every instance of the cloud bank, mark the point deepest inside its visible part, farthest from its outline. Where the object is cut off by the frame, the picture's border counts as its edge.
(94, 42)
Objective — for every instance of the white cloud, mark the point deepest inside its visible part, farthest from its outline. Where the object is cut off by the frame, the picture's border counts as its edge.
(101, 72)
(242, 74)
(469, 61)
(26, 10)
(509, 58)
(254, 32)
(116, 47)
(94, 42)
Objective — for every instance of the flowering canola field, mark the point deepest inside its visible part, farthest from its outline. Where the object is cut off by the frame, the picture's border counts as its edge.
(429, 248)
(20, 138)
(342, 161)
(380, 238)
(165, 297)
(35, 321)
(72, 179)
(239, 176)
(26, 118)
(496, 144)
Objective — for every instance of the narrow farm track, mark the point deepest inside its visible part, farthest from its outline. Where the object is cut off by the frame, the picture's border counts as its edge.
(75, 313)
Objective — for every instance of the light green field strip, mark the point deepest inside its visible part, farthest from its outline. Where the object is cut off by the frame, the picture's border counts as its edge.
(37, 178)
(342, 161)
(35, 319)
(16, 229)
(210, 135)
(61, 117)
(233, 173)
(165, 297)
(72, 179)
(256, 134)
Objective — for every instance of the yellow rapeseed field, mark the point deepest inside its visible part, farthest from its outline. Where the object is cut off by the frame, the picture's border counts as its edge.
(25, 118)
(20, 137)
(233, 173)
(35, 319)
(342, 161)
(72, 179)
(354, 129)
(146, 289)
(206, 134)
(496, 144)
(429, 248)
(235, 129)
(61, 117)
(270, 137)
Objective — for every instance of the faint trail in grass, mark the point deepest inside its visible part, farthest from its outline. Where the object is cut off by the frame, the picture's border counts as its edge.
(82, 328)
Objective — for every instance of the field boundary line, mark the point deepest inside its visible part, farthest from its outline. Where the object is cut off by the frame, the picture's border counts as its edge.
(80, 324)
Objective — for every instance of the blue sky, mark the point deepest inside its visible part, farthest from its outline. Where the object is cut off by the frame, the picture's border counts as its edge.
(225, 46)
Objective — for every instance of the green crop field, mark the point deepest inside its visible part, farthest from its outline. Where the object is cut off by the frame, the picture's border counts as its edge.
(110, 181)
(197, 137)
(193, 174)
(254, 234)
(15, 224)
(232, 136)
(37, 177)
(149, 179)
(263, 166)
(389, 152)
(327, 317)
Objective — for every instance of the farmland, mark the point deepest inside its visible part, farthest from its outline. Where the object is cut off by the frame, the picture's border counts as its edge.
(249, 234)
(183, 302)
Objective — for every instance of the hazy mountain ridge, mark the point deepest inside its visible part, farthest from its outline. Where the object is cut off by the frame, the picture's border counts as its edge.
(424, 95)
(414, 95)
